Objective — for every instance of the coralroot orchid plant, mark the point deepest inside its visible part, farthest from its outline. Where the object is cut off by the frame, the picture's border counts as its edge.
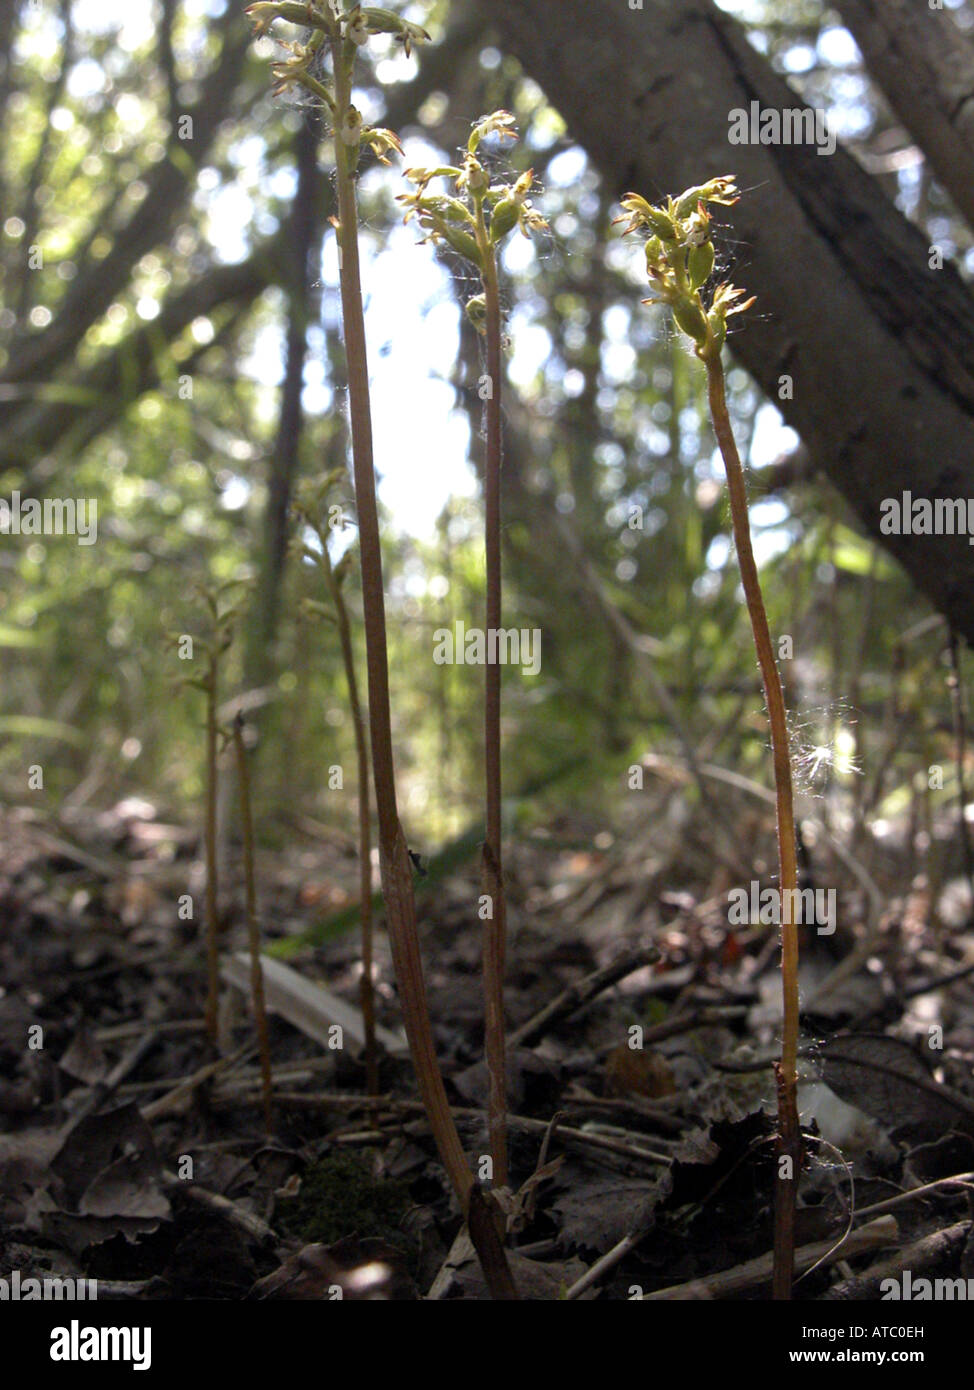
(253, 925)
(223, 611)
(340, 35)
(310, 508)
(680, 262)
(475, 220)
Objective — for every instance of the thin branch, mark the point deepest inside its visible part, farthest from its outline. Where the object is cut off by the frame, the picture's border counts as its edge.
(253, 930)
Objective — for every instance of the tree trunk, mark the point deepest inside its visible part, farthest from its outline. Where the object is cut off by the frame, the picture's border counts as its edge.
(925, 66)
(302, 244)
(879, 347)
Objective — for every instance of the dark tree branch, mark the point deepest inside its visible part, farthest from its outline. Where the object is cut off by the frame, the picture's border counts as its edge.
(880, 348)
(167, 57)
(39, 355)
(30, 214)
(116, 380)
(925, 67)
(301, 246)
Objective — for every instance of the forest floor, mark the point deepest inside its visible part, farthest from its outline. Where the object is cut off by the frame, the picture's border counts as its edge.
(642, 1033)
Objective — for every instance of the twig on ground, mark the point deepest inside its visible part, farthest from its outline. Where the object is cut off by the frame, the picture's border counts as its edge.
(882, 1231)
(249, 1225)
(101, 1091)
(930, 1251)
(582, 993)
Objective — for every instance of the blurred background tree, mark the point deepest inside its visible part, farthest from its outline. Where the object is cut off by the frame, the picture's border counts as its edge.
(170, 347)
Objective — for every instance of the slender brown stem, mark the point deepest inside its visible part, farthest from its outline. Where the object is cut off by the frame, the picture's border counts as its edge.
(495, 925)
(253, 930)
(958, 707)
(789, 1136)
(367, 990)
(395, 865)
(212, 925)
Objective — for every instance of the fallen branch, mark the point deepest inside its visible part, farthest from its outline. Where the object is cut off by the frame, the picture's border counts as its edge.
(101, 1091)
(728, 1282)
(249, 1225)
(175, 1099)
(930, 1252)
(578, 1137)
(582, 993)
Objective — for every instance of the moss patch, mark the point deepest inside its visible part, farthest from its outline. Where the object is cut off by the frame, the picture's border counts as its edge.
(340, 1197)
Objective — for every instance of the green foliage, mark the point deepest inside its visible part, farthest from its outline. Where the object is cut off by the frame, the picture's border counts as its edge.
(605, 428)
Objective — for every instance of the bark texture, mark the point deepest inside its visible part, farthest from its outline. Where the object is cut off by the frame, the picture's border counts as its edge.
(925, 66)
(880, 347)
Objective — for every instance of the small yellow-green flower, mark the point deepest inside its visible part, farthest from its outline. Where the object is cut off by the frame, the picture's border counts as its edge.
(381, 141)
(499, 123)
(372, 20)
(477, 312)
(352, 127)
(294, 70)
(356, 27)
(410, 34)
(481, 212)
(473, 175)
(263, 14)
(680, 260)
